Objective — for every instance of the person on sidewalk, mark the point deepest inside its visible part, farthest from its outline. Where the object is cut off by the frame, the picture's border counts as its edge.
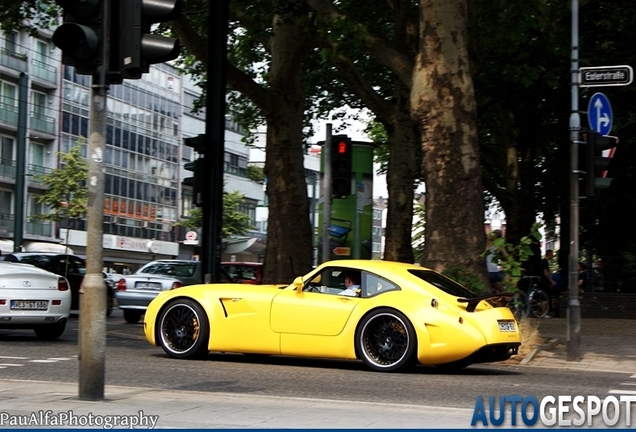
(496, 276)
(548, 284)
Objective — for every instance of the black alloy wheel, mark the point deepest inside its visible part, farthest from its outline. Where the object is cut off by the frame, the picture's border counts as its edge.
(386, 341)
(183, 329)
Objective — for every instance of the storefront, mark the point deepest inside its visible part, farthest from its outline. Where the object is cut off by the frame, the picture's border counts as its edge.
(124, 255)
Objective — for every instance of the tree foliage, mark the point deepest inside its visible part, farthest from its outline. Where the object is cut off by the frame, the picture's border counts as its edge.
(67, 193)
(235, 222)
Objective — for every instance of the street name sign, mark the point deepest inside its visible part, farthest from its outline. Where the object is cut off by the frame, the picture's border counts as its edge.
(605, 76)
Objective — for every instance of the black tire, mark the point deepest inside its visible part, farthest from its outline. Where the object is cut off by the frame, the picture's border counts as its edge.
(539, 303)
(50, 332)
(386, 341)
(132, 316)
(183, 329)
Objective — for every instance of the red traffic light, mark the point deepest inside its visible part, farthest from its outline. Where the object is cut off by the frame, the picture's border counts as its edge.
(342, 147)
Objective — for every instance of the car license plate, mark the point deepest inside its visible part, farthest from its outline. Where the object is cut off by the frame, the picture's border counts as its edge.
(507, 326)
(148, 285)
(29, 304)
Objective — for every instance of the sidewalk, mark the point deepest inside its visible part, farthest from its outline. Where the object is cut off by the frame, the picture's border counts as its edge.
(202, 410)
(606, 345)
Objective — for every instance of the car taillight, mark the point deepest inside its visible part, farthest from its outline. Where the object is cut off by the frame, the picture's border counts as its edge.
(62, 284)
(176, 285)
(121, 284)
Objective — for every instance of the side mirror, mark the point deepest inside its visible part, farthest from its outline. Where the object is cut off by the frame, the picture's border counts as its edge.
(298, 283)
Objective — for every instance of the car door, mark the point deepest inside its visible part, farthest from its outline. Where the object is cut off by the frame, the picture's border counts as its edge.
(73, 269)
(317, 310)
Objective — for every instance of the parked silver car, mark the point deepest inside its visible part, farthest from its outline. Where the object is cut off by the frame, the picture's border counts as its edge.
(33, 298)
(136, 291)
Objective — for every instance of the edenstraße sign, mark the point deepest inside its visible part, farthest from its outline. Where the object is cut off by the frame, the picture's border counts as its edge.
(605, 76)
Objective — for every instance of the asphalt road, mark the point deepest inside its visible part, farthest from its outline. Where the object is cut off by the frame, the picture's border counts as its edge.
(131, 361)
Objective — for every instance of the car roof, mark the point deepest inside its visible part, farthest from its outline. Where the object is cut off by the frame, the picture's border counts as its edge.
(20, 254)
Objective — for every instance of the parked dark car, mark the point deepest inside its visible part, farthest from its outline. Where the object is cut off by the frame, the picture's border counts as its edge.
(72, 267)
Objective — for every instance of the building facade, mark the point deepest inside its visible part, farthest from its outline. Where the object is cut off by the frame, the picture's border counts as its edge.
(143, 156)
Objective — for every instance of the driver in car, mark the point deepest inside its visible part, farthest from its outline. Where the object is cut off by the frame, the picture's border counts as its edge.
(352, 284)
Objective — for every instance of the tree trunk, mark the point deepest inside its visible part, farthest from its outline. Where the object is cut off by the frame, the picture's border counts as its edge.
(443, 104)
(289, 248)
(400, 178)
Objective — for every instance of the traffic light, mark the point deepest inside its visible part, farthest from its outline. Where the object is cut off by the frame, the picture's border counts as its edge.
(197, 180)
(340, 166)
(80, 35)
(600, 149)
(198, 143)
(138, 49)
(197, 167)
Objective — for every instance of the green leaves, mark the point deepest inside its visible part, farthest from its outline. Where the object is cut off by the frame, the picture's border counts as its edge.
(235, 222)
(67, 193)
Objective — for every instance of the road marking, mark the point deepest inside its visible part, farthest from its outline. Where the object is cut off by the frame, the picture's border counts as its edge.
(629, 383)
(13, 358)
(622, 392)
(62, 358)
(10, 364)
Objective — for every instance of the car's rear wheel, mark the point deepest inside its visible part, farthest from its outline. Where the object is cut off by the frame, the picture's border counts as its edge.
(132, 316)
(183, 329)
(386, 341)
(51, 331)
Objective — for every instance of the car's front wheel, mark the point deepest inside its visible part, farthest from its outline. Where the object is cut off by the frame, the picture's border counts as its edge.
(386, 341)
(50, 332)
(132, 316)
(183, 329)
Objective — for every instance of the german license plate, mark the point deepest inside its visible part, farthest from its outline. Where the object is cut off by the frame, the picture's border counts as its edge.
(29, 304)
(148, 285)
(507, 326)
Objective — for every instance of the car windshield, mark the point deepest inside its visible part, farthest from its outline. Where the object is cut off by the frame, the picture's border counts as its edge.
(445, 284)
(42, 261)
(176, 269)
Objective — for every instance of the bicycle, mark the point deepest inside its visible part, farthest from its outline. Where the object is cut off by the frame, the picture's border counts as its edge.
(536, 302)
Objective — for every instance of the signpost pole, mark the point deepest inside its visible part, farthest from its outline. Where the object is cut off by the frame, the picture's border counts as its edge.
(574, 306)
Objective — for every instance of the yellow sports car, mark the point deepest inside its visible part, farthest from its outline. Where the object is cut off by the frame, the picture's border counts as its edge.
(387, 314)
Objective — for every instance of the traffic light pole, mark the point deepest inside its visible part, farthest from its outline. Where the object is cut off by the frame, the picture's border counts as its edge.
(215, 132)
(574, 305)
(326, 194)
(92, 318)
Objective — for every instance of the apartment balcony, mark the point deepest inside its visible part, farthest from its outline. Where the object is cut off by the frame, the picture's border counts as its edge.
(9, 114)
(43, 124)
(13, 60)
(39, 228)
(45, 73)
(7, 168)
(6, 223)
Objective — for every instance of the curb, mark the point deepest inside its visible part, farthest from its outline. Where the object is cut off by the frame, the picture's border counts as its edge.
(545, 347)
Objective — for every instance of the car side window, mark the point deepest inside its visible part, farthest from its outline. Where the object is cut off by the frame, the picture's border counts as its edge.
(373, 285)
(330, 281)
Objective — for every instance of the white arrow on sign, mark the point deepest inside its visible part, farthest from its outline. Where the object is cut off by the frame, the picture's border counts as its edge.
(602, 119)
